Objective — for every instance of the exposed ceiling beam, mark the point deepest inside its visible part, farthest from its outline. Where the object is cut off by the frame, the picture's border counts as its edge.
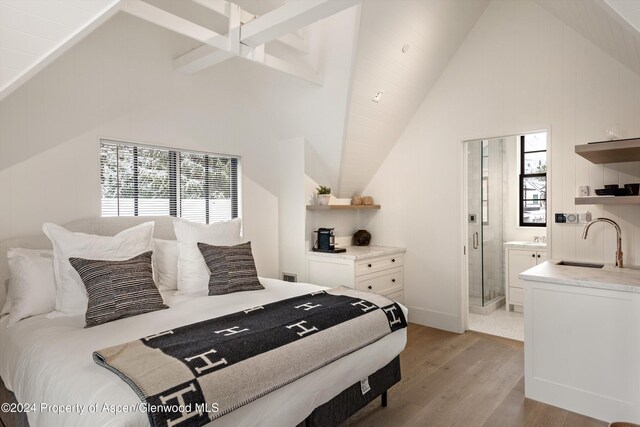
(290, 17)
(60, 48)
(222, 7)
(174, 23)
(201, 58)
(297, 70)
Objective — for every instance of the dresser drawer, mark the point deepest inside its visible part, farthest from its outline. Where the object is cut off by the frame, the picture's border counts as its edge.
(516, 295)
(373, 265)
(384, 283)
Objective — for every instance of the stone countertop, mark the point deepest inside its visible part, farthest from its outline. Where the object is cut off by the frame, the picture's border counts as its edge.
(609, 277)
(525, 245)
(360, 252)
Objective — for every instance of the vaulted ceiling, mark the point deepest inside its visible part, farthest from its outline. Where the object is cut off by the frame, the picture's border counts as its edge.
(432, 32)
(605, 23)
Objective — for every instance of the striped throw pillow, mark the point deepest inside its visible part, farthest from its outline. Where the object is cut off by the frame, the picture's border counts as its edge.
(118, 289)
(231, 268)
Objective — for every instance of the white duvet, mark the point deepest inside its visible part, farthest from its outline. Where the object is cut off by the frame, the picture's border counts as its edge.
(48, 363)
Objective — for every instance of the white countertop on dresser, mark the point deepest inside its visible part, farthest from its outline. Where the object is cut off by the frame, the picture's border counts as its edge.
(525, 245)
(360, 252)
(609, 277)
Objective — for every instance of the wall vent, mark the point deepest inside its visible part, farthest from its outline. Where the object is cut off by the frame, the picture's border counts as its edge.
(289, 277)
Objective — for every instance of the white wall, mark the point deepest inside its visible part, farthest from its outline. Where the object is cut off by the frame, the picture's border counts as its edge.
(119, 83)
(519, 70)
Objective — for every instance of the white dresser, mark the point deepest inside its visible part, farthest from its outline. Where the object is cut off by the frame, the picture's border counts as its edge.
(377, 269)
(519, 257)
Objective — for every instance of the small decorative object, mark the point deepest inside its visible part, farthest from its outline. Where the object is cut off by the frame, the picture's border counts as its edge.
(324, 194)
(613, 131)
(367, 200)
(362, 238)
(356, 200)
(582, 191)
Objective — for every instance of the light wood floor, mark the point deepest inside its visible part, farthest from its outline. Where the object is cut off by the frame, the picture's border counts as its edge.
(463, 380)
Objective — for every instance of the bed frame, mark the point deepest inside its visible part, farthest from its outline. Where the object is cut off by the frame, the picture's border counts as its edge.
(332, 413)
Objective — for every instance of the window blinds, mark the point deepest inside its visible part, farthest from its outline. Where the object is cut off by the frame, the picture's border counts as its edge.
(138, 180)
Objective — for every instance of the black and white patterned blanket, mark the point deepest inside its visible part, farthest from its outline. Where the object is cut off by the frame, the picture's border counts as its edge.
(193, 374)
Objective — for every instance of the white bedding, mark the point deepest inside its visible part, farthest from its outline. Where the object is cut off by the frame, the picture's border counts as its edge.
(50, 361)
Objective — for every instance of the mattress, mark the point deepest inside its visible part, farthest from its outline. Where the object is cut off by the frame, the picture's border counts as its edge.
(48, 363)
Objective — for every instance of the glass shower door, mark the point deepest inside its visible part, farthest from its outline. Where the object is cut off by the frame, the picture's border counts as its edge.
(485, 184)
(474, 222)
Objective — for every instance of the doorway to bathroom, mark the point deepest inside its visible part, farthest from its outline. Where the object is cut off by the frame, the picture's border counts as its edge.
(506, 227)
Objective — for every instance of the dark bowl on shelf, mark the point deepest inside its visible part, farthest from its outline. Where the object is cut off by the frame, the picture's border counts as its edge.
(614, 192)
(635, 188)
(611, 186)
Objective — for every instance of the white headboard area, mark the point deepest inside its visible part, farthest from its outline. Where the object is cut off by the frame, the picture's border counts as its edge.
(109, 226)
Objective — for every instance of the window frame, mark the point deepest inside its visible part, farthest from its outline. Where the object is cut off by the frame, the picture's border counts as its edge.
(175, 208)
(522, 177)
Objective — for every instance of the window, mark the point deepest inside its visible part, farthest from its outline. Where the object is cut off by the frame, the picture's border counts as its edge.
(139, 180)
(533, 180)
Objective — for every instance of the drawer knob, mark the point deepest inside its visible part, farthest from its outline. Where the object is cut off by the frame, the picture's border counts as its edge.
(538, 255)
(393, 260)
(369, 265)
(393, 280)
(370, 287)
(533, 255)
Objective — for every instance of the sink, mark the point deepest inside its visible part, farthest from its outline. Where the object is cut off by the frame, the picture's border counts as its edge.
(580, 264)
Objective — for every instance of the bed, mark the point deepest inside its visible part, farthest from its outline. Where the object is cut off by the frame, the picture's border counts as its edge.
(50, 360)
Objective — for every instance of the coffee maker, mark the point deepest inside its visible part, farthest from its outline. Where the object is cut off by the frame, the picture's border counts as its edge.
(326, 241)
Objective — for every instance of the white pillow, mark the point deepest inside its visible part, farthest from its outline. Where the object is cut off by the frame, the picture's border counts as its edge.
(32, 287)
(71, 297)
(165, 264)
(193, 274)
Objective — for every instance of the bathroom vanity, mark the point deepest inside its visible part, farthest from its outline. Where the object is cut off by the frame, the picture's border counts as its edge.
(582, 339)
(520, 256)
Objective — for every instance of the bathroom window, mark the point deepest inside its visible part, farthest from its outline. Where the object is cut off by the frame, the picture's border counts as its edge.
(140, 180)
(533, 180)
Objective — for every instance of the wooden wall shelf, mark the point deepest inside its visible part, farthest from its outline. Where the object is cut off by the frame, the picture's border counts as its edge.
(622, 150)
(341, 207)
(603, 200)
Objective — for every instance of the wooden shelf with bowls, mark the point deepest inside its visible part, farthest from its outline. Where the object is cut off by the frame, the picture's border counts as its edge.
(608, 200)
(341, 207)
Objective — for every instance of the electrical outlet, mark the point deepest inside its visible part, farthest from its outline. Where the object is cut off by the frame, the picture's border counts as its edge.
(561, 218)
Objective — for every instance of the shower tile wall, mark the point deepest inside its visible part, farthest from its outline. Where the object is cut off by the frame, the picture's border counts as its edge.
(493, 229)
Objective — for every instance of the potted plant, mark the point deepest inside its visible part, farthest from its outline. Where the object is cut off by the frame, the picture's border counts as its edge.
(324, 194)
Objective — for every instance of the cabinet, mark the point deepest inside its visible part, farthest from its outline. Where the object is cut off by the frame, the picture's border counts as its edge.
(517, 261)
(371, 269)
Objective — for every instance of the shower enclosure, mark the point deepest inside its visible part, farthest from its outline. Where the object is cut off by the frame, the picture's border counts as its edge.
(486, 189)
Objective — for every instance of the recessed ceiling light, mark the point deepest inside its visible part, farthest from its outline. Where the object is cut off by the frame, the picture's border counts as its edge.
(377, 97)
(405, 48)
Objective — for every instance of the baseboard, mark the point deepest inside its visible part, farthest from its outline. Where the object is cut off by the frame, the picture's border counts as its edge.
(435, 319)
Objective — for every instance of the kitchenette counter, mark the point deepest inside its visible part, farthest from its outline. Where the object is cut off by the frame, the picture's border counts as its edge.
(609, 277)
(525, 245)
(360, 252)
